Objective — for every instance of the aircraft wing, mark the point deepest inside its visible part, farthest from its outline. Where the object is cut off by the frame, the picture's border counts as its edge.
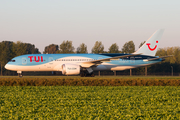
(97, 62)
(158, 58)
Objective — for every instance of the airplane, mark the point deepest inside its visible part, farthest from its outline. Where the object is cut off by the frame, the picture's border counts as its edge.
(86, 64)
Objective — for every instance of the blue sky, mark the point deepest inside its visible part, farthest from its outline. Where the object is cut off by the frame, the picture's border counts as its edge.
(44, 22)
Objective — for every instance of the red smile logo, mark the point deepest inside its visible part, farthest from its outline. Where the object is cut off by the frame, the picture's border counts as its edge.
(152, 49)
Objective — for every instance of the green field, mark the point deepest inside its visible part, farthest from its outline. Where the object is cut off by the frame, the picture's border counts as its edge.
(90, 102)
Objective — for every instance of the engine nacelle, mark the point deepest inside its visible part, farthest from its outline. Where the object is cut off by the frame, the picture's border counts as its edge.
(70, 69)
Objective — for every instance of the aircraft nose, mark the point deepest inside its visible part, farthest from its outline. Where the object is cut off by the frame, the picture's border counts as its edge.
(10, 67)
(6, 66)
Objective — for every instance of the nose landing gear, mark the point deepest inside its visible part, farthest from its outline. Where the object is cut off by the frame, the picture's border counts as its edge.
(20, 73)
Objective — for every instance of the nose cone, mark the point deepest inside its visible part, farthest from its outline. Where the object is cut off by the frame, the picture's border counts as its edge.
(7, 66)
(10, 67)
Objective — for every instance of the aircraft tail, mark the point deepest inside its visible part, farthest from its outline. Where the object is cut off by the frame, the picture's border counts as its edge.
(151, 45)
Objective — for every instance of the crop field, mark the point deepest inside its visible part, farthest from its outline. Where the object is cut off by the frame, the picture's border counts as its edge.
(90, 102)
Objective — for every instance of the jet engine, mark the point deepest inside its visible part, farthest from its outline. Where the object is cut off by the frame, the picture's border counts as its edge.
(70, 69)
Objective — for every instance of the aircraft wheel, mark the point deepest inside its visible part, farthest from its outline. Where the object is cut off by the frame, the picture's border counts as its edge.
(85, 75)
(82, 74)
(20, 75)
(92, 75)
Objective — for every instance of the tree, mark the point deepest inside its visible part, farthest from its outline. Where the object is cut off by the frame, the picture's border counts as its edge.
(6, 51)
(9, 50)
(66, 47)
(30, 49)
(142, 43)
(128, 47)
(19, 48)
(51, 49)
(98, 47)
(177, 54)
(173, 61)
(175, 51)
(114, 48)
(82, 48)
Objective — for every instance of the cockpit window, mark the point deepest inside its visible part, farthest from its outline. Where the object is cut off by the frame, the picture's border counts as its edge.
(12, 61)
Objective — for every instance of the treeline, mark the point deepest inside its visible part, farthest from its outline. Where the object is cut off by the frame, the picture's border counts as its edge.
(171, 64)
(67, 47)
(9, 49)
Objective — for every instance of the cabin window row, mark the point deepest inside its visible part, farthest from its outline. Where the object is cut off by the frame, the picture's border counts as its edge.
(75, 60)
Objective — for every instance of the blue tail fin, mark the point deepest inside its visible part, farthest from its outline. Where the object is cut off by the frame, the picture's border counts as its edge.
(151, 45)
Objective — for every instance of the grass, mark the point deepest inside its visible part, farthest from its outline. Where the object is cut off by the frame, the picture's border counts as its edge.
(85, 102)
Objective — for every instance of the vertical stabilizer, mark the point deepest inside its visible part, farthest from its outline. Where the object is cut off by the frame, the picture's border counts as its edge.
(151, 45)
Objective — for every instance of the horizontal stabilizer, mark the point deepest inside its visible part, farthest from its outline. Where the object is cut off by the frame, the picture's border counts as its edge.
(157, 58)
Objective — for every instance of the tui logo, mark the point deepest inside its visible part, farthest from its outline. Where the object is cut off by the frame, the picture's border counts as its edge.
(36, 59)
(152, 49)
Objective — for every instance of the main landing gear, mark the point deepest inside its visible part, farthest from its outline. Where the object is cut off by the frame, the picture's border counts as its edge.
(86, 74)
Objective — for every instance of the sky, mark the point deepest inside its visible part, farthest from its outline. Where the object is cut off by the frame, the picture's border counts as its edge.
(45, 22)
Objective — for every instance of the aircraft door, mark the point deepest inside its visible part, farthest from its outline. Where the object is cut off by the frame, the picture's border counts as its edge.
(50, 59)
(24, 61)
(132, 60)
(100, 58)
